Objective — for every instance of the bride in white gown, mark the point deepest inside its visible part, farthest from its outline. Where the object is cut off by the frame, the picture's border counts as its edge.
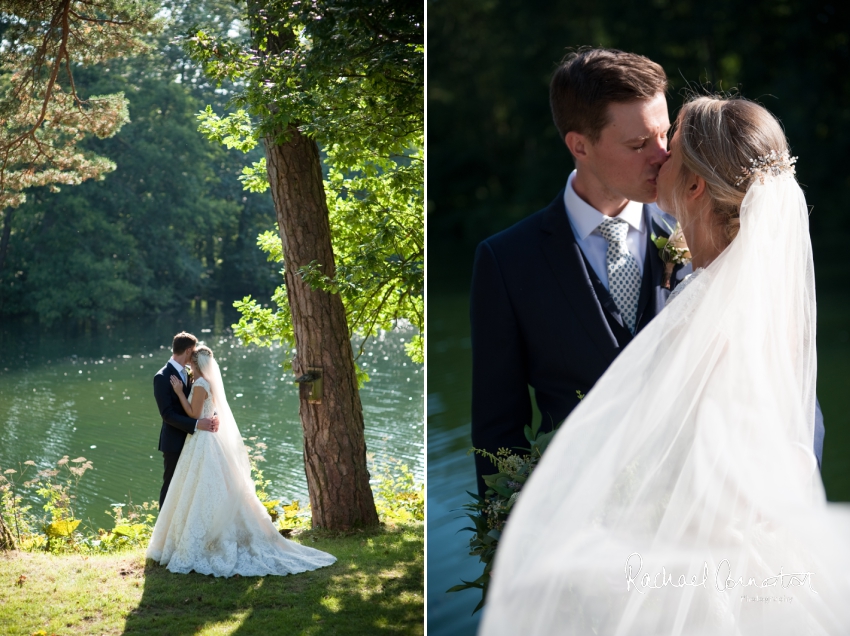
(682, 495)
(212, 521)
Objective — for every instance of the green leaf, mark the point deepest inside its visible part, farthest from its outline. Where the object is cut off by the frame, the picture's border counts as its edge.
(61, 528)
(131, 531)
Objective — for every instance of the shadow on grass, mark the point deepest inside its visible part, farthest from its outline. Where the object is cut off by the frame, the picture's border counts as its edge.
(375, 587)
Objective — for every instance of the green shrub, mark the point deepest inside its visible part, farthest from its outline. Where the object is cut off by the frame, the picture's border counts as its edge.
(398, 497)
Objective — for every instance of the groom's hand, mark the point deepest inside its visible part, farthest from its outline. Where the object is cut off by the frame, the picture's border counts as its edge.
(208, 424)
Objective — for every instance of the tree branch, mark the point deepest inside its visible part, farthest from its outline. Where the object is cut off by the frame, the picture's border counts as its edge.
(54, 73)
(99, 20)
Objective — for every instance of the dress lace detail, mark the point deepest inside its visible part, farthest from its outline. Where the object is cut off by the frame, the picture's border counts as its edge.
(687, 280)
(209, 407)
(212, 521)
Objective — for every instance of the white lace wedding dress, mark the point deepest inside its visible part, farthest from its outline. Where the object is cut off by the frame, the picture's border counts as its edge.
(681, 496)
(212, 521)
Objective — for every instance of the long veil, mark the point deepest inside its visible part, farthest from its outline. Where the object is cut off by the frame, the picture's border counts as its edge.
(230, 517)
(228, 434)
(692, 457)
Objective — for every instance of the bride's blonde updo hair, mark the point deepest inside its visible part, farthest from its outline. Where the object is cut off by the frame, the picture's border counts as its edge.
(717, 136)
(202, 357)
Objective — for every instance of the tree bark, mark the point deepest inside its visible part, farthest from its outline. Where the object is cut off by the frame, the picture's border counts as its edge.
(334, 441)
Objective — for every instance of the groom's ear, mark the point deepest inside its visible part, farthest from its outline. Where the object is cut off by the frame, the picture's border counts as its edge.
(577, 144)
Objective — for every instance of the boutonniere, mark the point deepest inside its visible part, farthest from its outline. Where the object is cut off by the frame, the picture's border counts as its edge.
(673, 250)
(189, 377)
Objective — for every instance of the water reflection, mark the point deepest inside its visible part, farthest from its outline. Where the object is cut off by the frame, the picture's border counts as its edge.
(31, 403)
(89, 393)
(451, 471)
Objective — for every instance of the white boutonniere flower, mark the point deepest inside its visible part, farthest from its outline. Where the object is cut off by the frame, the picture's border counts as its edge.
(673, 250)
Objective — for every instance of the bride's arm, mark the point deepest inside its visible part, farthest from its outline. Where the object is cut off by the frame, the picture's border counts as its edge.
(196, 406)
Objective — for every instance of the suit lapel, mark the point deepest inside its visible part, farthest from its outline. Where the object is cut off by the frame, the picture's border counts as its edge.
(653, 268)
(567, 263)
(653, 297)
(176, 373)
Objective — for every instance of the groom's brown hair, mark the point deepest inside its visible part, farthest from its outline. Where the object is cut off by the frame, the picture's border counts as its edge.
(589, 79)
(182, 341)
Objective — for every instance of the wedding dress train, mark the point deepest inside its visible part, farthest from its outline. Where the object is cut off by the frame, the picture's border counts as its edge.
(212, 521)
(682, 495)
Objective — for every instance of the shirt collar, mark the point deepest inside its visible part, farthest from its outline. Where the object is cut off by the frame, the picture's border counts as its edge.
(176, 365)
(585, 218)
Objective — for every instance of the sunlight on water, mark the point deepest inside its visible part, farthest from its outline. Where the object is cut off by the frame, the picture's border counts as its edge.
(90, 394)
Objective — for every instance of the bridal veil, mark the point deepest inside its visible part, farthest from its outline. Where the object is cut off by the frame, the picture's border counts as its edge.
(691, 462)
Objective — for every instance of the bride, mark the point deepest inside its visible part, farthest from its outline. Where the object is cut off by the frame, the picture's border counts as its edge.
(212, 521)
(682, 495)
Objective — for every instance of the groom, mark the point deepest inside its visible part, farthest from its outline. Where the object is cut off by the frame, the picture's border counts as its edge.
(557, 297)
(175, 423)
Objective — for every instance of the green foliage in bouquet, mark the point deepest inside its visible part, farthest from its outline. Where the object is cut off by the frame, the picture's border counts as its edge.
(490, 512)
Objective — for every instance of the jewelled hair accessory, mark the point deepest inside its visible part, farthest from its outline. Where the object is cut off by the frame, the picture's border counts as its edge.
(202, 350)
(770, 165)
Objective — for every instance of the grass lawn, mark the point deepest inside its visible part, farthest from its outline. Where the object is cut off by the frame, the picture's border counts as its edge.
(375, 587)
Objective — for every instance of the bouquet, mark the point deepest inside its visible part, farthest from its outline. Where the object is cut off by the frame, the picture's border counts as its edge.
(490, 512)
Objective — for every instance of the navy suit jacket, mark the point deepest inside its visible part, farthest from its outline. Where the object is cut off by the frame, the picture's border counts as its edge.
(542, 320)
(175, 423)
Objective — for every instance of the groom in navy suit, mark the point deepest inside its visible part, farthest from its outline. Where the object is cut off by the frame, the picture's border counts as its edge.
(556, 297)
(175, 423)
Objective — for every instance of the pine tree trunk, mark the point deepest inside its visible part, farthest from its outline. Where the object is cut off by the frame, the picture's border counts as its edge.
(334, 442)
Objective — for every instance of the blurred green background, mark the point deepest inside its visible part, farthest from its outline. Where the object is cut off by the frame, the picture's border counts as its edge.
(172, 224)
(494, 157)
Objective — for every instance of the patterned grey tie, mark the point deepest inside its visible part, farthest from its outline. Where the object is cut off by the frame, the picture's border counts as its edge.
(623, 270)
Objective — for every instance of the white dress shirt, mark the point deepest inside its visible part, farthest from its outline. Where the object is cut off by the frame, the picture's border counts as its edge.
(585, 220)
(180, 369)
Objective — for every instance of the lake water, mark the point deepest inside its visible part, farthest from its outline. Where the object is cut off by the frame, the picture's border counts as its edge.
(451, 471)
(90, 393)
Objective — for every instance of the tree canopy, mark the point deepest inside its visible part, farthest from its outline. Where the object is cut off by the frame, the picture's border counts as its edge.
(349, 75)
(170, 224)
(43, 118)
